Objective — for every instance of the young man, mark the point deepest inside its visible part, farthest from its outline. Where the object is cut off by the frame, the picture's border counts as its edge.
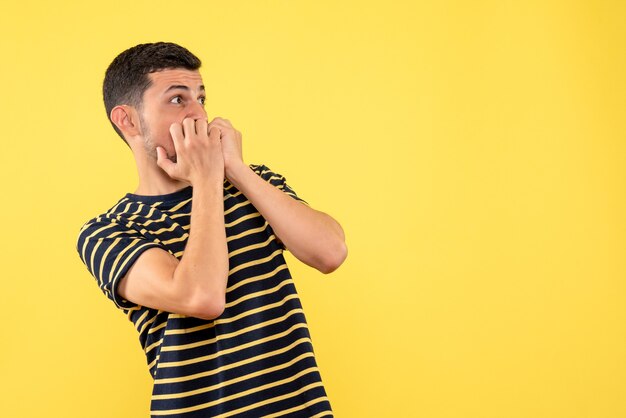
(206, 284)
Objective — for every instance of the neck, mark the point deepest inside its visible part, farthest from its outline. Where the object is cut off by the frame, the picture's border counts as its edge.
(153, 181)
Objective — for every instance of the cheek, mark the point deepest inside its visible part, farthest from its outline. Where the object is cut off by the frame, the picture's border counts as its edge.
(161, 133)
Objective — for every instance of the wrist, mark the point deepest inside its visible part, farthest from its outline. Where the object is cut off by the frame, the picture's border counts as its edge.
(208, 183)
(237, 172)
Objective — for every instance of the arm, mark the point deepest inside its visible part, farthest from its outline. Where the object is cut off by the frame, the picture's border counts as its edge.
(313, 237)
(196, 285)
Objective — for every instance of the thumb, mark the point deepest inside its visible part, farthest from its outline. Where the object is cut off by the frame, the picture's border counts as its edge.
(164, 162)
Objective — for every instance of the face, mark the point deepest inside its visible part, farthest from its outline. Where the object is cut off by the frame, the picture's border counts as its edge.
(174, 95)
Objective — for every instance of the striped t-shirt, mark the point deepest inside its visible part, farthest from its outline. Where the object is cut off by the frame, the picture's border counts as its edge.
(256, 359)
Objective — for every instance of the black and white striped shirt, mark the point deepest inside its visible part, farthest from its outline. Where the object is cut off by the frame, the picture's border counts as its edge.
(257, 358)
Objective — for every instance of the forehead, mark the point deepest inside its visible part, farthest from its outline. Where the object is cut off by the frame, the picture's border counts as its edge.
(163, 79)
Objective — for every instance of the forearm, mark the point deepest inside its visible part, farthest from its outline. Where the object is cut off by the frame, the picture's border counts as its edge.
(312, 236)
(203, 269)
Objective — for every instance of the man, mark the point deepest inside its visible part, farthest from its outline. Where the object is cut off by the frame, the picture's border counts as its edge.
(206, 285)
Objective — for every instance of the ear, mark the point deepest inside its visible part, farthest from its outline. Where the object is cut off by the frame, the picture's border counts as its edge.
(126, 119)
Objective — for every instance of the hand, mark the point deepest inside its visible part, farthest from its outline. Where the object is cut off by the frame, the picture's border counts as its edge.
(231, 144)
(198, 153)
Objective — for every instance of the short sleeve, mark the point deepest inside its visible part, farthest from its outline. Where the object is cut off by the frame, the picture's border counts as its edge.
(276, 179)
(109, 249)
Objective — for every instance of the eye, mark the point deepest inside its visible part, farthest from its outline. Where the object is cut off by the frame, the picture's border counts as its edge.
(176, 100)
(202, 100)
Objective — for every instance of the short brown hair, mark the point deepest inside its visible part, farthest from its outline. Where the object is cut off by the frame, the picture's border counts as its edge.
(127, 79)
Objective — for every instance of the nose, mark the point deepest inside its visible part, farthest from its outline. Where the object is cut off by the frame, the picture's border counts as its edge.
(196, 111)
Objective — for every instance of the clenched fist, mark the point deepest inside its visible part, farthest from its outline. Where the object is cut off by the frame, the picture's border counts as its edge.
(231, 144)
(199, 155)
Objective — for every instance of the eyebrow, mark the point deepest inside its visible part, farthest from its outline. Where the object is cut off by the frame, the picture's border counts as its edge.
(180, 87)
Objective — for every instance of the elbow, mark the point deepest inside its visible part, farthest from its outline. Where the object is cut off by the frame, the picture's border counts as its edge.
(208, 306)
(210, 311)
(334, 258)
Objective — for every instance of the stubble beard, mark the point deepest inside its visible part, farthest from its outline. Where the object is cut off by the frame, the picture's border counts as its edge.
(148, 142)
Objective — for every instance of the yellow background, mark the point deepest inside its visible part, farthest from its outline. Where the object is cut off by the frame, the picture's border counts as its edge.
(474, 152)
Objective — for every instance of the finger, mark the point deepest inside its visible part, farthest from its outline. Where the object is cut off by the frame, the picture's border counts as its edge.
(219, 124)
(218, 119)
(201, 125)
(176, 131)
(189, 127)
(226, 122)
(224, 130)
(164, 162)
(215, 132)
(222, 121)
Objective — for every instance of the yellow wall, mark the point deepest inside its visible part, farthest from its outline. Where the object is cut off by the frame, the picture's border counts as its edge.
(474, 152)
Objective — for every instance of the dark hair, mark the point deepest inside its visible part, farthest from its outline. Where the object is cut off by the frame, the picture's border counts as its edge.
(127, 79)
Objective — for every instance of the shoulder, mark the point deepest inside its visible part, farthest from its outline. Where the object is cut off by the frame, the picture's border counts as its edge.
(108, 245)
(109, 224)
(260, 169)
(275, 179)
(267, 173)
